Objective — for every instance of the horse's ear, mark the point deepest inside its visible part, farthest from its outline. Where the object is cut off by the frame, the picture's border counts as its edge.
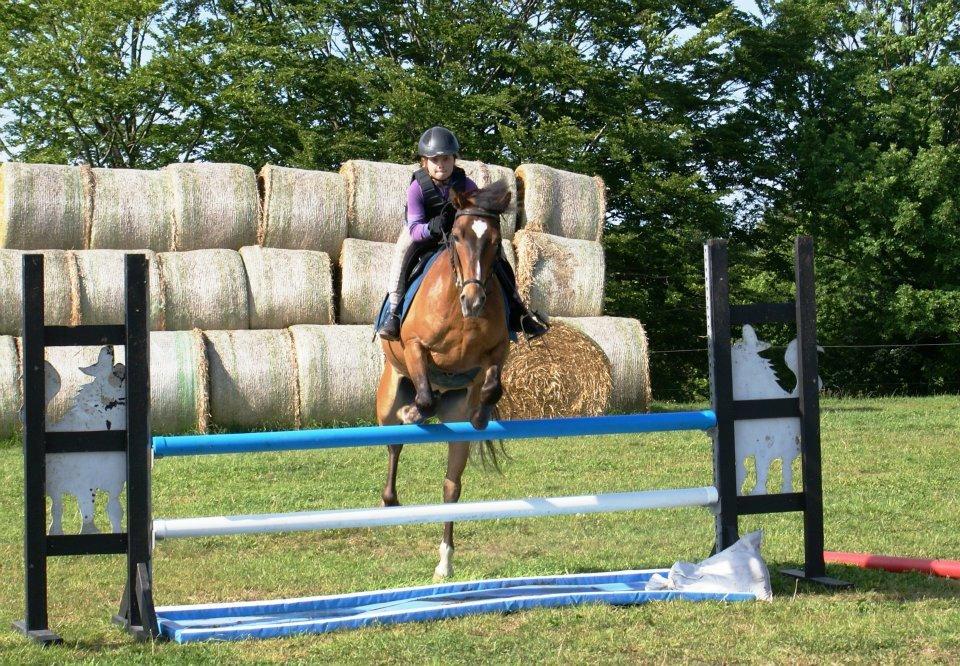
(503, 201)
(461, 199)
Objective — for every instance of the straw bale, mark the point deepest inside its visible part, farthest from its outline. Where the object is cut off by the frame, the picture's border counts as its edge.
(42, 206)
(510, 254)
(364, 279)
(560, 276)
(562, 203)
(302, 210)
(101, 292)
(288, 287)
(562, 373)
(214, 205)
(179, 382)
(339, 369)
(253, 379)
(60, 283)
(10, 395)
(130, 210)
(204, 289)
(624, 342)
(376, 198)
(490, 174)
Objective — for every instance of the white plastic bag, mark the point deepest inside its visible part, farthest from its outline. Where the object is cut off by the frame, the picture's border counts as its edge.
(737, 569)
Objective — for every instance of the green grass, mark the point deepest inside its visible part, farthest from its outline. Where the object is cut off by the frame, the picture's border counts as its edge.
(891, 486)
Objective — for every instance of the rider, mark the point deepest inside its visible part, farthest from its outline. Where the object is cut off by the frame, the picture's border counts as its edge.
(429, 215)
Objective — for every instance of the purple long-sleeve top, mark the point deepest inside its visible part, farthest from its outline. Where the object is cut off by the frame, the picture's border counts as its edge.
(417, 213)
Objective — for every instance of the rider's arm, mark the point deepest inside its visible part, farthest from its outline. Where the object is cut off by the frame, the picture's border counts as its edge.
(416, 214)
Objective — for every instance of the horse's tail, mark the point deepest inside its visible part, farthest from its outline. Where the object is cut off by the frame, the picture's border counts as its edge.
(489, 451)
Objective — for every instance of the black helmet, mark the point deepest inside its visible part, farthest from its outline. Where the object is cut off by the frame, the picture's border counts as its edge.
(438, 141)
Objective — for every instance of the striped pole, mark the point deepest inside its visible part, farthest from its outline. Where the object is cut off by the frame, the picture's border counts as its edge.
(433, 513)
(332, 438)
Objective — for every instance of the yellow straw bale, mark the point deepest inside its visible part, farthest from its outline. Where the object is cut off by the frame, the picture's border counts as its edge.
(624, 342)
(376, 198)
(562, 373)
(562, 203)
(302, 210)
(204, 289)
(214, 205)
(179, 382)
(364, 279)
(102, 296)
(253, 379)
(60, 283)
(10, 395)
(288, 287)
(560, 276)
(42, 206)
(339, 369)
(130, 210)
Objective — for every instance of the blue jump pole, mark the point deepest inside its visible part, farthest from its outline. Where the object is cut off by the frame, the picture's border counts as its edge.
(334, 438)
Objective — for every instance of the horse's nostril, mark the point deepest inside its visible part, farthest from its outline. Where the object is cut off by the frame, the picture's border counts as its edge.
(463, 297)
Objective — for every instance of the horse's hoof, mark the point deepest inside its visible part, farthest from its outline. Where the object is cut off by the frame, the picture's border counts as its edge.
(480, 421)
(389, 501)
(410, 414)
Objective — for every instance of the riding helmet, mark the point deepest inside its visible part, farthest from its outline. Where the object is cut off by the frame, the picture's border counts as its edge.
(438, 141)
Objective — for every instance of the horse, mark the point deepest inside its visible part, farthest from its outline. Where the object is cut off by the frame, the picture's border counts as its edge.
(452, 347)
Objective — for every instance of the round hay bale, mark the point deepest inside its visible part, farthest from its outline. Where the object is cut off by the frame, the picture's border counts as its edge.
(179, 382)
(253, 379)
(562, 373)
(10, 393)
(204, 289)
(624, 342)
(339, 369)
(102, 298)
(376, 199)
(129, 210)
(42, 206)
(510, 254)
(213, 205)
(364, 279)
(490, 174)
(558, 276)
(302, 210)
(562, 203)
(61, 303)
(288, 287)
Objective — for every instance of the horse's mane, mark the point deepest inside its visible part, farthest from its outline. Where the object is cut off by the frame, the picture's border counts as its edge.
(493, 197)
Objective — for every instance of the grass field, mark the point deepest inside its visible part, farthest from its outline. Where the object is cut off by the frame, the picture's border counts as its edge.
(891, 486)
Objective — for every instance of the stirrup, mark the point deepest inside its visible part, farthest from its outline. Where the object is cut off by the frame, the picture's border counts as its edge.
(533, 325)
(391, 328)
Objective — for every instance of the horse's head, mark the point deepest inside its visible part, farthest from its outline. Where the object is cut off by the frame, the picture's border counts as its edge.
(474, 243)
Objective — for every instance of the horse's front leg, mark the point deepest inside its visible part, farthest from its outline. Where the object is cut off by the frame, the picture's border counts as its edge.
(490, 394)
(457, 455)
(424, 404)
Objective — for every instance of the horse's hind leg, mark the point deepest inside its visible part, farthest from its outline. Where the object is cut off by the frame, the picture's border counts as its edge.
(490, 394)
(457, 455)
(394, 391)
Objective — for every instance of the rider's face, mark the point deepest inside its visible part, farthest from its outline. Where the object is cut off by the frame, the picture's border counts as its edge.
(441, 166)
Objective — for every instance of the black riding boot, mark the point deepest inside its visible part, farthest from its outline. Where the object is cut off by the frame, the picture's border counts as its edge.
(530, 324)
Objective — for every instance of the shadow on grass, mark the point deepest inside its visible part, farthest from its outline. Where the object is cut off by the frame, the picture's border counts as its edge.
(899, 587)
(851, 408)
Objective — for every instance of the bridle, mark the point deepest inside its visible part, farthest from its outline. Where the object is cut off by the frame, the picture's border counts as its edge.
(455, 260)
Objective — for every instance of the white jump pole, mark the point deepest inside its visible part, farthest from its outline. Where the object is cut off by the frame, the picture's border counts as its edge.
(433, 513)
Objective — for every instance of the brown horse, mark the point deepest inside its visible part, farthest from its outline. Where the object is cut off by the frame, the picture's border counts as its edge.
(453, 344)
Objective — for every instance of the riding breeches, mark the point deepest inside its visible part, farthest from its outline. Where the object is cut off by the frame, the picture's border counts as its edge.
(402, 255)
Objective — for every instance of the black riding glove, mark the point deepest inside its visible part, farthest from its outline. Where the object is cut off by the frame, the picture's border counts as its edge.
(442, 223)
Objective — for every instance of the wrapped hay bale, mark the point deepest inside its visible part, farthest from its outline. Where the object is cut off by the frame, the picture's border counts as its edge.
(213, 205)
(42, 206)
(562, 373)
(562, 203)
(179, 382)
(339, 369)
(101, 277)
(302, 210)
(253, 379)
(624, 342)
(364, 279)
(376, 199)
(558, 276)
(129, 210)
(61, 302)
(203, 289)
(288, 287)
(10, 394)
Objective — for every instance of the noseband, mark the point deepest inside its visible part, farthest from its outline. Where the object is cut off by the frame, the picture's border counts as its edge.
(455, 260)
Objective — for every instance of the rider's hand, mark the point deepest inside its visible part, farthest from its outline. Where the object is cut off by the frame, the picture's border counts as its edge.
(436, 226)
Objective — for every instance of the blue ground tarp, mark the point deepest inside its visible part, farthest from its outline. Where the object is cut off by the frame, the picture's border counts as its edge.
(314, 615)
